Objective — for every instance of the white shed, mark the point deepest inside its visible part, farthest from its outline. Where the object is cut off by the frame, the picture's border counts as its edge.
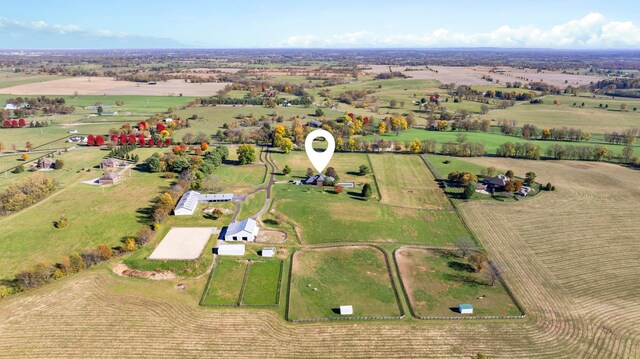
(268, 252)
(246, 230)
(231, 250)
(465, 309)
(346, 310)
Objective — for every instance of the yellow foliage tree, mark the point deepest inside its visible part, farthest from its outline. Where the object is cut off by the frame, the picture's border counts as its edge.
(351, 145)
(416, 146)
(382, 128)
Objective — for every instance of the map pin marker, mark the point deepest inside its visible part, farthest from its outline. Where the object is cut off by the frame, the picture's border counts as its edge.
(320, 160)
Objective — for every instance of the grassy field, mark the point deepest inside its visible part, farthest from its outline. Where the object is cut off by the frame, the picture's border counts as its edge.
(325, 217)
(240, 175)
(405, 181)
(263, 283)
(252, 205)
(29, 236)
(324, 279)
(589, 118)
(438, 281)
(226, 283)
(577, 283)
(10, 78)
(345, 164)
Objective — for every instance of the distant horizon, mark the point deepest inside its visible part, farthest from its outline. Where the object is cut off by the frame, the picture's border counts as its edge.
(514, 49)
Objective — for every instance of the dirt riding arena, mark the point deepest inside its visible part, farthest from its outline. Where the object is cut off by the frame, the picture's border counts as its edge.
(109, 86)
(183, 243)
(473, 75)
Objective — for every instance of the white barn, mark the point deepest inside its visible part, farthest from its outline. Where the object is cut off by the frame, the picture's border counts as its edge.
(246, 230)
(189, 201)
(268, 252)
(346, 310)
(231, 249)
(465, 309)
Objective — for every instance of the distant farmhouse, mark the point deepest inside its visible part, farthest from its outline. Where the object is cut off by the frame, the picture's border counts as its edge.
(246, 230)
(189, 201)
(109, 164)
(317, 180)
(45, 163)
(110, 178)
(77, 139)
(315, 123)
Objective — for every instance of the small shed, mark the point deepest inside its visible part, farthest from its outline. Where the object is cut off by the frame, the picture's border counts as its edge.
(346, 310)
(268, 252)
(231, 250)
(465, 309)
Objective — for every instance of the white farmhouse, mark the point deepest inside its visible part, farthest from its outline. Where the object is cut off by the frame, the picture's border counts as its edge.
(246, 230)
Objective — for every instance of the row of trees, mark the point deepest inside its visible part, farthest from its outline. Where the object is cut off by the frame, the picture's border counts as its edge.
(531, 132)
(25, 193)
(569, 152)
(526, 150)
(627, 137)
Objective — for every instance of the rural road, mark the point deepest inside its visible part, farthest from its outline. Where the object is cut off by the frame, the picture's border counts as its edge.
(270, 168)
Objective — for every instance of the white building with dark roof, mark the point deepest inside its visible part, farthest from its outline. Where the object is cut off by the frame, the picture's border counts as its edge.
(246, 230)
(187, 204)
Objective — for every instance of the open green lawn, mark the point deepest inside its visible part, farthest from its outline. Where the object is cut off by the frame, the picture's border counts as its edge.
(324, 279)
(325, 217)
(591, 118)
(438, 281)
(225, 283)
(263, 283)
(252, 204)
(29, 236)
(404, 180)
(240, 175)
(448, 164)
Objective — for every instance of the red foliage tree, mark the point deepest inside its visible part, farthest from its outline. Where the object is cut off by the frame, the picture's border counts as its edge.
(132, 139)
(91, 140)
(113, 137)
(141, 141)
(160, 127)
(14, 123)
(123, 139)
(167, 142)
(366, 120)
(21, 122)
(142, 125)
(99, 140)
(6, 123)
(150, 142)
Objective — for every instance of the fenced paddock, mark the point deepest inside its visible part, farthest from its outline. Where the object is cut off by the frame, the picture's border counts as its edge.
(184, 243)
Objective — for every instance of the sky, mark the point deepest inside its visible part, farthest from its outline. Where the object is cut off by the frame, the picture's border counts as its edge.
(559, 24)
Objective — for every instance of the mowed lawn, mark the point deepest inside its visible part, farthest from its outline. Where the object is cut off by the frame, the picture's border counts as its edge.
(96, 215)
(239, 175)
(438, 281)
(226, 282)
(263, 283)
(405, 181)
(252, 204)
(325, 217)
(324, 279)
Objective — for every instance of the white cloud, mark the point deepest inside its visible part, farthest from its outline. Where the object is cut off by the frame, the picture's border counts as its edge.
(40, 34)
(592, 31)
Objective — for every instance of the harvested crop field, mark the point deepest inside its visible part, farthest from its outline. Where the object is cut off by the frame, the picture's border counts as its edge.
(473, 75)
(109, 86)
